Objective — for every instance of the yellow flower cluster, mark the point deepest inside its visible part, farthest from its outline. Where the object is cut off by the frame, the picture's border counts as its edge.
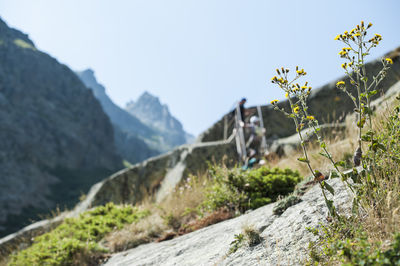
(357, 32)
(296, 88)
(274, 102)
(376, 39)
(296, 109)
(345, 65)
(389, 60)
(310, 117)
(281, 80)
(300, 72)
(344, 52)
(340, 84)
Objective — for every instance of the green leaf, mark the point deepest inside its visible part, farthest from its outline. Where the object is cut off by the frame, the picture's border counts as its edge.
(328, 187)
(340, 163)
(371, 93)
(323, 145)
(334, 174)
(323, 154)
(381, 146)
(367, 110)
(303, 160)
(331, 208)
(361, 123)
(366, 138)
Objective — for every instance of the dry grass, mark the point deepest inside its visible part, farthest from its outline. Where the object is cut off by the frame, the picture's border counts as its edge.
(133, 235)
(338, 146)
(382, 205)
(177, 211)
(186, 197)
(382, 217)
(213, 218)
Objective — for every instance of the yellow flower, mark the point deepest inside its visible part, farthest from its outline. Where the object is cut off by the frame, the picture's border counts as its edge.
(337, 37)
(357, 34)
(310, 117)
(369, 25)
(389, 60)
(274, 78)
(287, 95)
(340, 83)
(296, 109)
(274, 101)
(343, 53)
(344, 65)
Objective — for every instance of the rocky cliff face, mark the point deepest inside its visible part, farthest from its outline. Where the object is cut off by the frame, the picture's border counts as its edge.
(55, 140)
(132, 138)
(327, 103)
(151, 112)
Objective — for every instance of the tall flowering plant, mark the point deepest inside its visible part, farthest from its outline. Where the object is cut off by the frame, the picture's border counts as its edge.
(357, 48)
(297, 96)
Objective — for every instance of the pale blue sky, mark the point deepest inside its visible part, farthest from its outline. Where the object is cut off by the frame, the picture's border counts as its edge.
(199, 56)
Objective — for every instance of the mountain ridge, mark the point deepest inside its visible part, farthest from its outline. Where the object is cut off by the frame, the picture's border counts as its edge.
(149, 109)
(129, 132)
(49, 150)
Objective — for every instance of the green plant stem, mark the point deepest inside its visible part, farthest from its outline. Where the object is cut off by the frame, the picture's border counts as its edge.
(324, 148)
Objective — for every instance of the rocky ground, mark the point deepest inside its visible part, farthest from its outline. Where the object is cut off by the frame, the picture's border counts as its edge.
(284, 238)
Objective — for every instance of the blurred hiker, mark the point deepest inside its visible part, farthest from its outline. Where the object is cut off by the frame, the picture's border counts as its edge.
(256, 134)
(242, 109)
(254, 141)
(238, 130)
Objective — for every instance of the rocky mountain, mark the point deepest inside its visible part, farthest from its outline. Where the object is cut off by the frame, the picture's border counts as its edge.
(151, 112)
(144, 129)
(132, 138)
(55, 139)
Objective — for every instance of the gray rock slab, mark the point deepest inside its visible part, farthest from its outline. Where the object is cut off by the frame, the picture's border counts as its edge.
(285, 237)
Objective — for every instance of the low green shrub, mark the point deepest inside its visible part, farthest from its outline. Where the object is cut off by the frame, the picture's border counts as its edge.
(285, 203)
(75, 241)
(347, 242)
(242, 190)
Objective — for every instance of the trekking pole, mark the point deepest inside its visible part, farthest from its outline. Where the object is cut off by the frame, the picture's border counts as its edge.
(263, 146)
(241, 134)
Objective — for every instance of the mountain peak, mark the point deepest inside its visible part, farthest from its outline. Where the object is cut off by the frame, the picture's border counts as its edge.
(89, 79)
(87, 74)
(153, 113)
(148, 98)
